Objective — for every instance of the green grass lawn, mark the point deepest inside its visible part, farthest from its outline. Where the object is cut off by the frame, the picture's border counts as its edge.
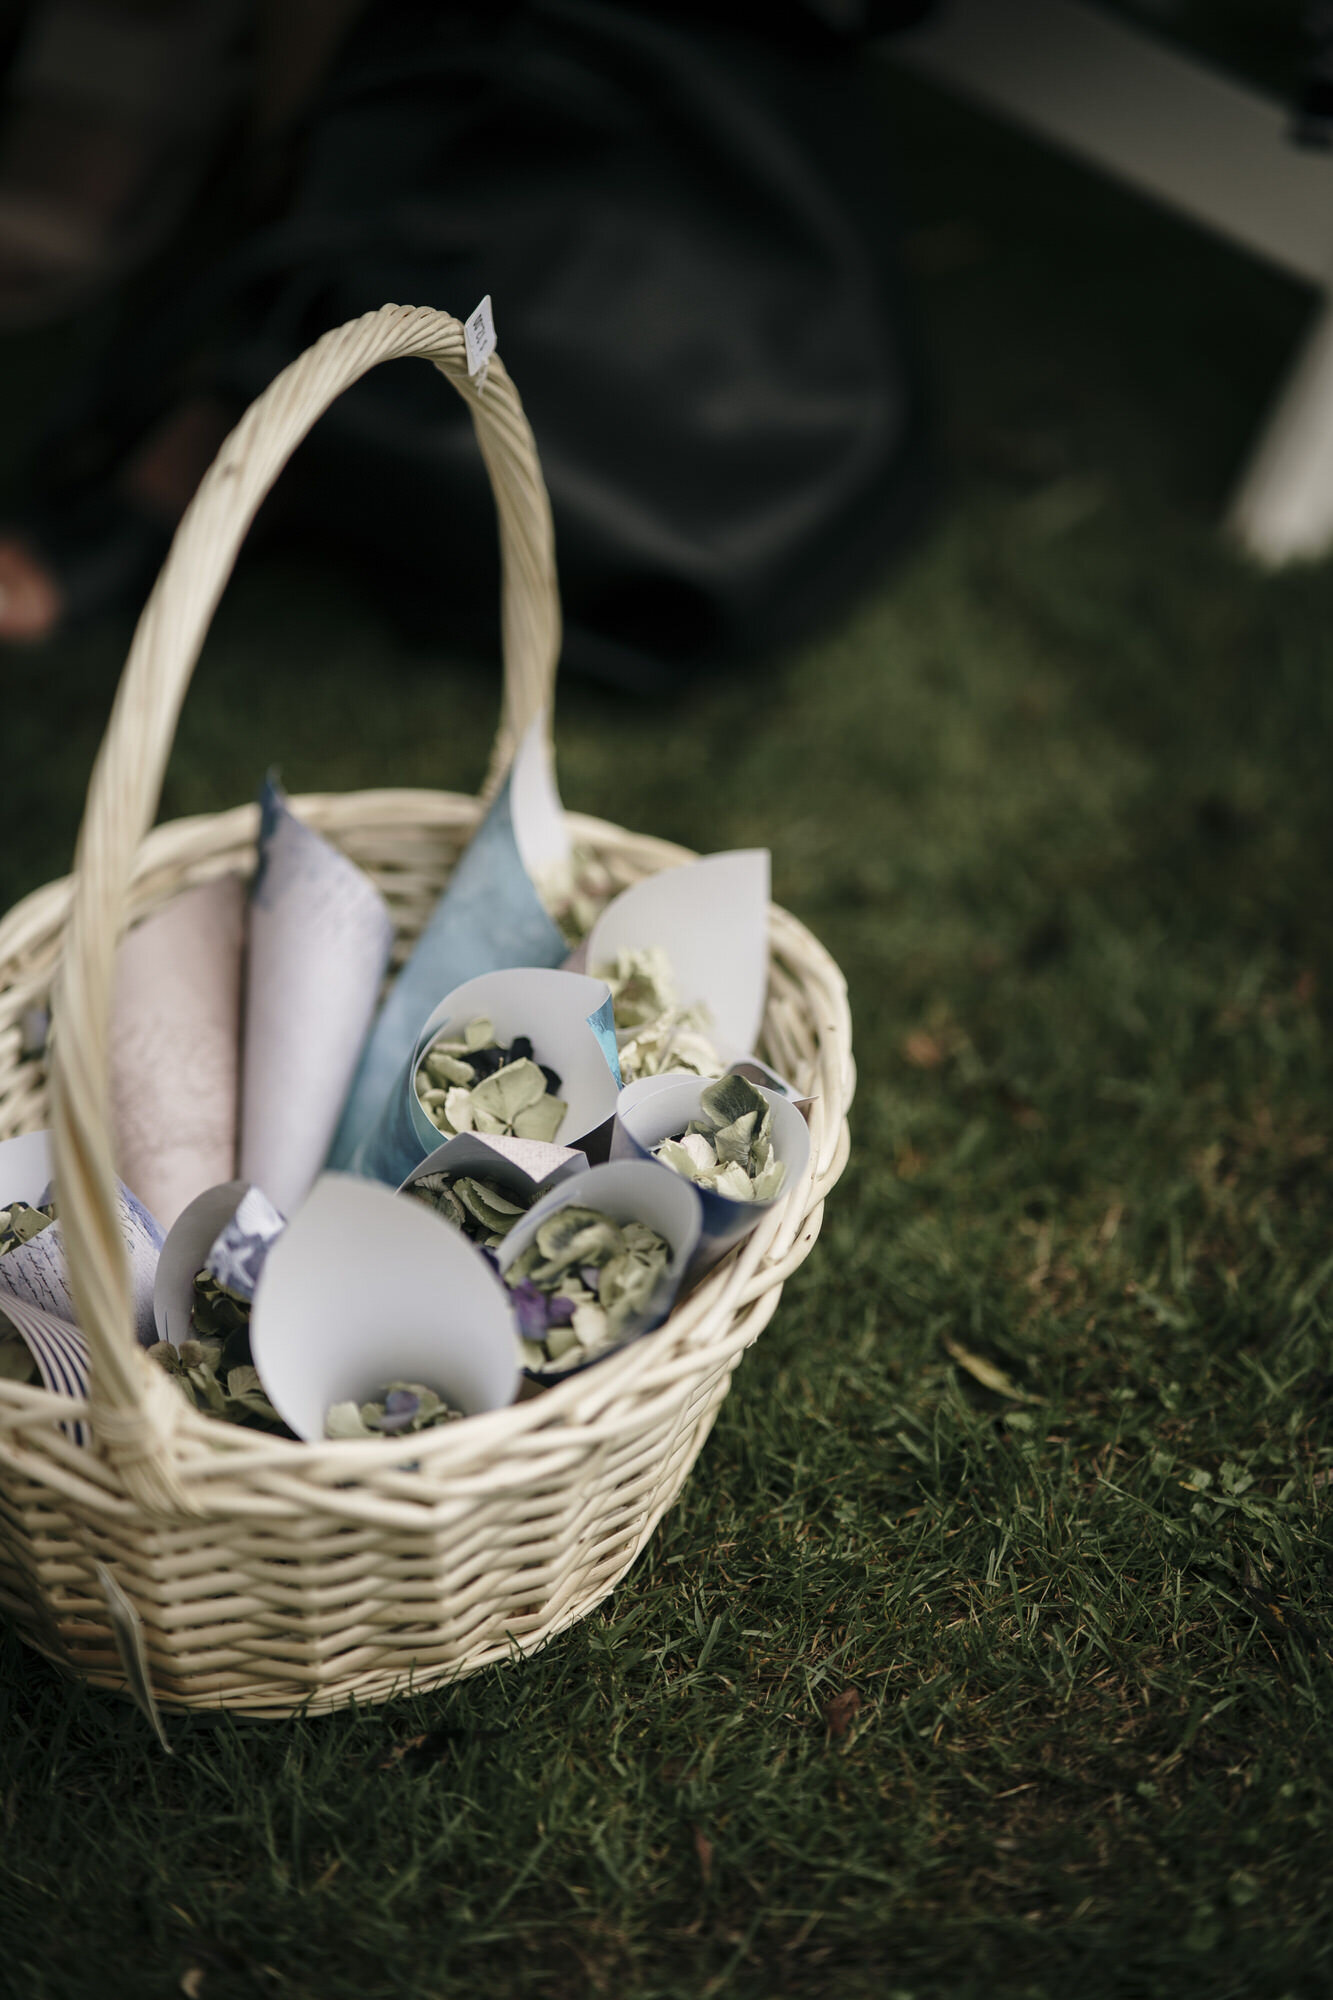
(925, 1687)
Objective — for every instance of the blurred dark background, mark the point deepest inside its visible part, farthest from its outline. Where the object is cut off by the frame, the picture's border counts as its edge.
(783, 314)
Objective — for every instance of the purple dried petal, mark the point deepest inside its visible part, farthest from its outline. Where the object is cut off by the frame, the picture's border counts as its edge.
(592, 1277)
(400, 1407)
(559, 1311)
(530, 1308)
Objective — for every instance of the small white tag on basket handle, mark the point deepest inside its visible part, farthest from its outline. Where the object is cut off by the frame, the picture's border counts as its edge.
(479, 338)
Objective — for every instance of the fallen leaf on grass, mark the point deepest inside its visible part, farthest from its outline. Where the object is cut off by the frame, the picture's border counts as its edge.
(985, 1372)
(192, 1981)
(841, 1712)
(703, 1847)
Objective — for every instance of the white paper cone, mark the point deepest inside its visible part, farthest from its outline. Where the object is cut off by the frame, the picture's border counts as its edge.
(627, 1191)
(175, 1042)
(566, 1016)
(645, 1117)
(365, 1288)
(710, 917)
(189, 1240)
(320, 937)
(36, 1270)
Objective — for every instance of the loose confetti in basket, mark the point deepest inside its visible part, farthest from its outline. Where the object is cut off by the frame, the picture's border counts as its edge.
(270, 1575)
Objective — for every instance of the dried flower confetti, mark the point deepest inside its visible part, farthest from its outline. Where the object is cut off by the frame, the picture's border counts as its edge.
(581, 1283)
(485, 1213)
(654, 1031)
(474, 1083)
(729, 1147)
(398, 1409)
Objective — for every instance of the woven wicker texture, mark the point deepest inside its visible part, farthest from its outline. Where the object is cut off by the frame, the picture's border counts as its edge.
(270, 1575)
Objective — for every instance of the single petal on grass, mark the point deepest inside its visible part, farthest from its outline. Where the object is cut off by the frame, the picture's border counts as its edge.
(841, 1712)
(985, 1372)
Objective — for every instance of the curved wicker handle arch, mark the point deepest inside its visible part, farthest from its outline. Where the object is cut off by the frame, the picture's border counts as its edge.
(132, 1417)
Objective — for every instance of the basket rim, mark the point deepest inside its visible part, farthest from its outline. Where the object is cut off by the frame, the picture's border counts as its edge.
(716, 1314)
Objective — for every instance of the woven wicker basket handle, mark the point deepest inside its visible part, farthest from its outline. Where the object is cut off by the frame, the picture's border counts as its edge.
(134, 1407)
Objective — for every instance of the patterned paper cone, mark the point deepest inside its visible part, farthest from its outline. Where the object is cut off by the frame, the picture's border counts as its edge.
(35, 1270)
(175, 1047)
(319, 942)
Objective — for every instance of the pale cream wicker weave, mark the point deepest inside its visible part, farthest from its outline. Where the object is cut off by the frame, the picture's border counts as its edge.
(272, 1576)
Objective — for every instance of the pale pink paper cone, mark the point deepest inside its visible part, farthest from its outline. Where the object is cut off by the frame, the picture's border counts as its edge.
(175, 1047)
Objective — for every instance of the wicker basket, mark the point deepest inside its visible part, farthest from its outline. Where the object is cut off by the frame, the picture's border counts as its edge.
(272, 1576)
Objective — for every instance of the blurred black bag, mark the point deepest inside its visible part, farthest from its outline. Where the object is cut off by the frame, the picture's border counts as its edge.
(686, 229)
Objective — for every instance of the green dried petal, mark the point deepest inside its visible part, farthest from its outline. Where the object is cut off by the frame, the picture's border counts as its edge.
(457, 1114)
(245, 1388)
(479, 1034)
(562, 1340)
(728, 1099)
(541, 1120)
(22, 1223)
(369, 1419)
(645, 1242)
(627, 1288)
(674, 1153)
(575, 890)
(496, 1212)
(436, 1192)
(592, 1328)
(574, 1236)
(769, 1182)
(344, 1421)
(444, 1069)
(511, 1090)
(216, 1313)
(642, 986)
(734, 1183)
(732, 1142)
